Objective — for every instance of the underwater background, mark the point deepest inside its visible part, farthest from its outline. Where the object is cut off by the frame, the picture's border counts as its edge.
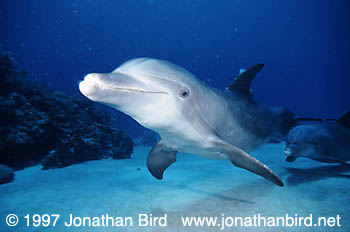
(304, 44)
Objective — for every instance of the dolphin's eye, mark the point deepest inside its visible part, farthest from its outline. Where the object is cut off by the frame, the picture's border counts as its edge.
(185, 93)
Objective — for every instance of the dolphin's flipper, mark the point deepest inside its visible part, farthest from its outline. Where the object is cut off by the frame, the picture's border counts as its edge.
(243, 81)
(242, 159)
(159, 159)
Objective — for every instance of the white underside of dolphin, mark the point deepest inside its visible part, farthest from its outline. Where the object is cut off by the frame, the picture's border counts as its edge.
(189, 116)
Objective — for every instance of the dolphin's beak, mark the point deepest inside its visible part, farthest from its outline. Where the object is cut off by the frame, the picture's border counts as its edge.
(88, 87)
(101, 86)
(121, 91)
(289, 153)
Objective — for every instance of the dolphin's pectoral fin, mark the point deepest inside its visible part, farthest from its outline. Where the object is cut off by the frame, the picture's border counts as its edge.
(159, 159)
(242, 159)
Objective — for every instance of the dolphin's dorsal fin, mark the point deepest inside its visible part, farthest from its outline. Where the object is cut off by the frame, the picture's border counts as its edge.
(345, 119)
(243, 81)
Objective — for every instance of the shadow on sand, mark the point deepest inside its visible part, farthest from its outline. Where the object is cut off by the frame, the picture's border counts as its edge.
(305, 175)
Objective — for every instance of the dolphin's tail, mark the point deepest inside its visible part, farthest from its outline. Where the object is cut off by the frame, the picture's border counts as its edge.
(344, 120)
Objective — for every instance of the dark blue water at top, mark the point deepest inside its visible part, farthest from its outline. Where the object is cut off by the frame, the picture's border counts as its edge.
(305, 45)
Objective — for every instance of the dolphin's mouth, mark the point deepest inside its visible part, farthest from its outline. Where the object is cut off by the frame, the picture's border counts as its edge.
(92, 85)
(128, 89)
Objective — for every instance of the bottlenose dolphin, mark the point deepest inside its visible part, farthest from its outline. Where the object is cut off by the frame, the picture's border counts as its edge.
(189, 116)
(325, 141)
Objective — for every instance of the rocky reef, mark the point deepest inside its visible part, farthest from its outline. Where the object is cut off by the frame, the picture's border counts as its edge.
(147, 138)
(6, 174)
(39, 125)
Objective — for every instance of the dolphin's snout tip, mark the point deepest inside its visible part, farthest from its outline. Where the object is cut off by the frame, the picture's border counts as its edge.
(88, 86)
(91, 77)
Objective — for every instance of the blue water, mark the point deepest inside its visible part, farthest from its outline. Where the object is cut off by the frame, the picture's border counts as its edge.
(305, 45)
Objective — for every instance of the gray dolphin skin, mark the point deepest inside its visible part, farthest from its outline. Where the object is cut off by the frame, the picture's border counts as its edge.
(327, 142)
(189, 116)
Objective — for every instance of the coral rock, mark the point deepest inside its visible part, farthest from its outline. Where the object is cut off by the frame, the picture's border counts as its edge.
(43, 126)
(6, 174)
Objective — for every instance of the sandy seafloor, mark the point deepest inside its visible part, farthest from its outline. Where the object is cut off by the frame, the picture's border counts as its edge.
(191, 187)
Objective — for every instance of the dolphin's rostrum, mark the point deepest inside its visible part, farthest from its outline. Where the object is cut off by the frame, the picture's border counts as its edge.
(189, 116)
